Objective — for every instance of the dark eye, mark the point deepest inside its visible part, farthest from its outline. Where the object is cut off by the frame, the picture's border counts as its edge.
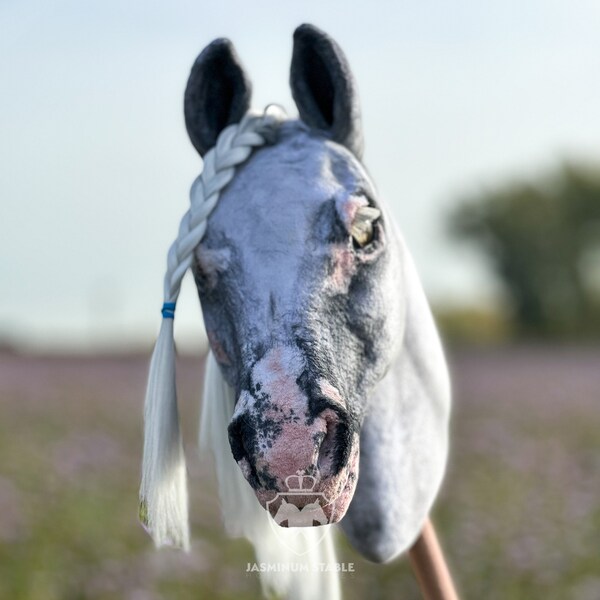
(209, 264)
(204, 281)
(362, 225)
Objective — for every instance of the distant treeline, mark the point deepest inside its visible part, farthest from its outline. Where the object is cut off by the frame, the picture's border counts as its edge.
(541, 238)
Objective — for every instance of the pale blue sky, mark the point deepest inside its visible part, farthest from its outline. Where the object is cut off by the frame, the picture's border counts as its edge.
(96, 164)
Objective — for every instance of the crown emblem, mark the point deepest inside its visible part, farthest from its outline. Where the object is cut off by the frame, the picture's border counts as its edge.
(300, 482)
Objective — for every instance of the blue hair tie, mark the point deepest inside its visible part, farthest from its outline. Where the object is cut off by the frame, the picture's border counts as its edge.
(168, 310)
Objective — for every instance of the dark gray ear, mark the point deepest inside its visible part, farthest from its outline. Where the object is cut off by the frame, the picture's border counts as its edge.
(217, 94)
(324, 89)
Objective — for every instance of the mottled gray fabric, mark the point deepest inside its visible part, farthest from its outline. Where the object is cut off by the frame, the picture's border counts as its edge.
(329, 346)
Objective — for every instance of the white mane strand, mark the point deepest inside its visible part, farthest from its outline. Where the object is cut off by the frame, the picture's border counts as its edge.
(163, 490)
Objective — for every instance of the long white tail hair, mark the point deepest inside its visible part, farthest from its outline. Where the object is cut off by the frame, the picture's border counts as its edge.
(306, 550)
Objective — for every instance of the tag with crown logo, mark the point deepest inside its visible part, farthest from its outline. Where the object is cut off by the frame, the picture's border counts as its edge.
(298, 511)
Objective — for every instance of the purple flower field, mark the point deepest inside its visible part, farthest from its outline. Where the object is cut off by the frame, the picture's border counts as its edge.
(519, 514)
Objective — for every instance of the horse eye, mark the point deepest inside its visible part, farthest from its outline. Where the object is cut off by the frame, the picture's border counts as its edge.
(362, 225)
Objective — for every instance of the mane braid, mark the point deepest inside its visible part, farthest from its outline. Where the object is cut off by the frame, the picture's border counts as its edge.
(163, 490)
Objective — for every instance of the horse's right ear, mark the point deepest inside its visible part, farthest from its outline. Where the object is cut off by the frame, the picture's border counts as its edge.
(217, 94)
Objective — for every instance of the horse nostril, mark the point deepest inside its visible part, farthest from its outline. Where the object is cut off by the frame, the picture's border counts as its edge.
(333, 444)
(240, 440)
(236, 442)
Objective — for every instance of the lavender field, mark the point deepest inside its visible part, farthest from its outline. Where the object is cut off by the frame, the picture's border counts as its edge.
(519, 515)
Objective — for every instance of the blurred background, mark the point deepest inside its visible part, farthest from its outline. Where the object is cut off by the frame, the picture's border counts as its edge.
(482, 133)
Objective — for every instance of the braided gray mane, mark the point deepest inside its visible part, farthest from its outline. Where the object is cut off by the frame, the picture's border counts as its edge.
(163, 491)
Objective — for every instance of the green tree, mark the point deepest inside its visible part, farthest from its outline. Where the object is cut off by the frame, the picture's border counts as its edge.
(542, 239)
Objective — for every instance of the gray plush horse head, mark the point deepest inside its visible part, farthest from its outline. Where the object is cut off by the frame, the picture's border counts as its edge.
(326, 382)
(314, 311)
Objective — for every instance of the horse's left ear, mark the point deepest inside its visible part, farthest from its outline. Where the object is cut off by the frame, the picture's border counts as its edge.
(324, 89)
(217, 94)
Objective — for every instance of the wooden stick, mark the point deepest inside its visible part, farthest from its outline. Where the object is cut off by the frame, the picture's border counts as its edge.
(429, 566)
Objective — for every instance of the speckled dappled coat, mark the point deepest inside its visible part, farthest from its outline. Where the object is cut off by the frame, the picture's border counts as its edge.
(314, 311)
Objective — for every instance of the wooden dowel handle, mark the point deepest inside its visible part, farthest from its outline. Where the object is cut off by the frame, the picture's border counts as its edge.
(430, 567)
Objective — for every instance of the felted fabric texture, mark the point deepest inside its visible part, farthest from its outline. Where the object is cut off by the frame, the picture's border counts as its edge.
(328, 397)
